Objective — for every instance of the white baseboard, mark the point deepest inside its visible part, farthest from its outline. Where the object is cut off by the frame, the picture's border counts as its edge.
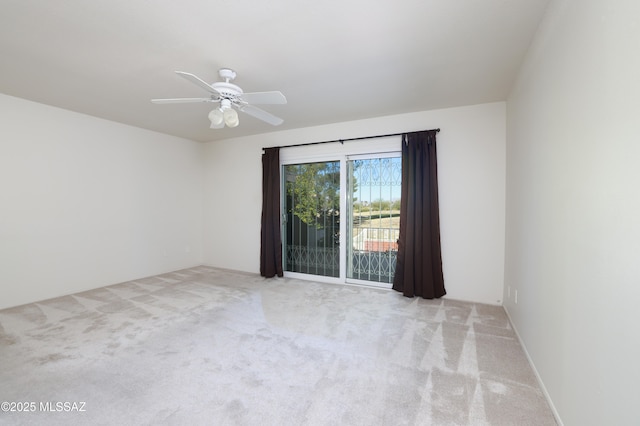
(535, 371)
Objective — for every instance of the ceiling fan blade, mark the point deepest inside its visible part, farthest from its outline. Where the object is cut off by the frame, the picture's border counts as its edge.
(261, 114)
(181, 100)
(197, 81)
(273, 98)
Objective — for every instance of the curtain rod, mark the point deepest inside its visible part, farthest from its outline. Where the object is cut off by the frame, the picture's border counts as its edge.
(342, 141)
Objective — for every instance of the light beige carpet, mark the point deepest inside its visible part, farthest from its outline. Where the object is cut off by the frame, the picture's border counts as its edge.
(208, 346)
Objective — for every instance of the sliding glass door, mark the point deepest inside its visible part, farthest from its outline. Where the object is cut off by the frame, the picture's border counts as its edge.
(374, 217)
(312, 218)
(364, 192)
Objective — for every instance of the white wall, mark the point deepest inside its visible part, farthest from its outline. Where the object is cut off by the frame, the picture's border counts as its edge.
(86, 202)
(471, 167)
(573, 209)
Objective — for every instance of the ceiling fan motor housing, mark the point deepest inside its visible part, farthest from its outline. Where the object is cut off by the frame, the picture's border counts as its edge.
(227, 90)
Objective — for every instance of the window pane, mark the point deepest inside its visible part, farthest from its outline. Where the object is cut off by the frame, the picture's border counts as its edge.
(374, 226)
(312, 228)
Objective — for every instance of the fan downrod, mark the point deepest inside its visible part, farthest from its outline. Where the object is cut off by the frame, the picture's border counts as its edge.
(227, 74)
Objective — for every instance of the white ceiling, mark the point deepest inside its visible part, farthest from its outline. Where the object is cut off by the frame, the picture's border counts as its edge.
(335, 60)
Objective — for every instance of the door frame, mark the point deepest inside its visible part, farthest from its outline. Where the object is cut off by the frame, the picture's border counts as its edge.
(335, 152)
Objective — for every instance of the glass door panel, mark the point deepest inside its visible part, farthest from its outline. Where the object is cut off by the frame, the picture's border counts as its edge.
(312, 218)
(373, 203)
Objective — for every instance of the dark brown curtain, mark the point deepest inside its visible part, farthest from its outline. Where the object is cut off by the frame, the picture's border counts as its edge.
(419, 261)
(270, 235)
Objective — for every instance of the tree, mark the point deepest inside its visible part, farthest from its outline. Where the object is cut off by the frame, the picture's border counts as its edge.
(380, 205)
(314, 189)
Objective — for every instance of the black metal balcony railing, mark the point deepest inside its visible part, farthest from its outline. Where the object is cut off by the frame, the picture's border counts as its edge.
(378, 266)
(313, 260)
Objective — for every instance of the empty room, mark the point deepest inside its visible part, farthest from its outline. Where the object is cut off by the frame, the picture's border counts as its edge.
(422, 212)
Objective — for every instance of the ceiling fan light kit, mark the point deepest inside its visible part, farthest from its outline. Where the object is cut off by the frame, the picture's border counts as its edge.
(231, 117)
(217, 119)
(223, 115)
(230, 97)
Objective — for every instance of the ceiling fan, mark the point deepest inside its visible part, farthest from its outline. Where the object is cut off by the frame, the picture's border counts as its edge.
(228, 95)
